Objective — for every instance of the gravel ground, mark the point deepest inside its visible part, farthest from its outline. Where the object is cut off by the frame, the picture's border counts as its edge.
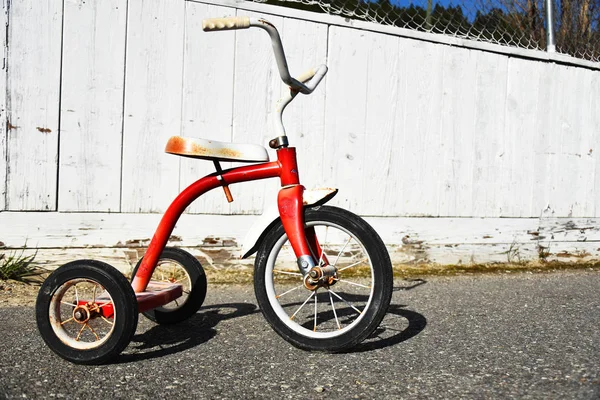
(525, 336)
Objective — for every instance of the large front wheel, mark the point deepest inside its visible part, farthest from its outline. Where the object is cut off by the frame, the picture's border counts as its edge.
(340, 311)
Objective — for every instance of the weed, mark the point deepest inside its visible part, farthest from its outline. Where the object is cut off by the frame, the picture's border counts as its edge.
(513, 254)
(17, 266)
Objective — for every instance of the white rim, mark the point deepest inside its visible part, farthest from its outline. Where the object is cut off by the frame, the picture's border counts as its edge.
(330, 308)
(93, 333)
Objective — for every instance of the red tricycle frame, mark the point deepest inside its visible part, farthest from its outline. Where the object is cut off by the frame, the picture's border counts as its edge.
(289, 201)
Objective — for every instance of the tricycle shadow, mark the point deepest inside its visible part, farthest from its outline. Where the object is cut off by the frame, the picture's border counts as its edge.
(399, 325)
(162, 340)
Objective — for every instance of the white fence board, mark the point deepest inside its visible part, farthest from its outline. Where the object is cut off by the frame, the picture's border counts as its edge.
(3, 110)
(33, 89)
(207, 96)
(346, 104)
(492, 75)
(380, 123)
(457, 123)
(423, 133)
(153, 92)
(92, 105)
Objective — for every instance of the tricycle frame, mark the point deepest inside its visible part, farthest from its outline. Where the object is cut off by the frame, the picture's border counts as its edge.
(289, 203)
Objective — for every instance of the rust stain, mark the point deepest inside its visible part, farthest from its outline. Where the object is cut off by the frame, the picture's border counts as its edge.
(137, 242)
(188, 147)
(579, 254)
(43, 130)
(175, 238)
(487, 237)
(10, 126)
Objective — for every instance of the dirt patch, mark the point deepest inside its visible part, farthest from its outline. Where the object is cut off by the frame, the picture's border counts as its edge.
(13, 293)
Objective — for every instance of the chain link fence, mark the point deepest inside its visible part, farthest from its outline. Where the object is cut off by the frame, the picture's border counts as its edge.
(519, 23)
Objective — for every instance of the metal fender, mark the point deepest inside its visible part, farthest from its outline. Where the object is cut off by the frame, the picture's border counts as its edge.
(313, 197)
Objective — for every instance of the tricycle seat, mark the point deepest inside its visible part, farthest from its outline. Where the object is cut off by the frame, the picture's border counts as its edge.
(218, 151)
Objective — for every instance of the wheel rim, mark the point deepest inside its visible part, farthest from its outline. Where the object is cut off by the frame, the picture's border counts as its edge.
(328, 311)
(171, 271)
(81, 326)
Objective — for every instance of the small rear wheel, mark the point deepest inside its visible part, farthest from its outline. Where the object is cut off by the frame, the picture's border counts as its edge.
(178, 266)
(86, 312)
(341, 309)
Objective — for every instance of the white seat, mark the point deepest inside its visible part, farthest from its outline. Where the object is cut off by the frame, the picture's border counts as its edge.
(218, 151)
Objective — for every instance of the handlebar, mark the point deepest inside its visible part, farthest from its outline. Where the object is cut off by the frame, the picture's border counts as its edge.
(305, 83)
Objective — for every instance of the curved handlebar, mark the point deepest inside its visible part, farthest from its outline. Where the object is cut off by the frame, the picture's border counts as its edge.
(305, 83)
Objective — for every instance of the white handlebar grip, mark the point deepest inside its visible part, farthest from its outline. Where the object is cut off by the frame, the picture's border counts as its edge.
(225, 24)
(306, 75)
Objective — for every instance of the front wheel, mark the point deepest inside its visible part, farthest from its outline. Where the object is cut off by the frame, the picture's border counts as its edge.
(340, 312)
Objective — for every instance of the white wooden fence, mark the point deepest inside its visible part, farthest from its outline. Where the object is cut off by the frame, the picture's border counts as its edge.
(500, 145)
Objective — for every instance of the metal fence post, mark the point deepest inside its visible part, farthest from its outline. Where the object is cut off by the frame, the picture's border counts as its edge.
(550, 46)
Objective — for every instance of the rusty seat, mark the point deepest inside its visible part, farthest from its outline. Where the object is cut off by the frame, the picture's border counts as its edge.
(217, 151)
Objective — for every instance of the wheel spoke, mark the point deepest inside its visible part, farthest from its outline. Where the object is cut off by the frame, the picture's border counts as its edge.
(354, 283)
(315, 327)
(287, 272)
(348, 304)
(68, 320)
(323, 246)
(76, 296)
(300, 308)
(79, 334)
(341, 251)
(94, 294)
(334, 312)
(108, 321)
(105, 304)
(286, 292)
(68, 304)
(93, 331)
(354, 265)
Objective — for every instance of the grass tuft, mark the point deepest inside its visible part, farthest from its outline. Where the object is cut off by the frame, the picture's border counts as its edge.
(17, 267)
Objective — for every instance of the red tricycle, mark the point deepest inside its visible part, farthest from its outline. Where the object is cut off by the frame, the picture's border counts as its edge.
(322, 276)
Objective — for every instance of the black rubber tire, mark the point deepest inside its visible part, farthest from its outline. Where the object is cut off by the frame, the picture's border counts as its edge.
(195, 297)
(381, 274)
(124, 303)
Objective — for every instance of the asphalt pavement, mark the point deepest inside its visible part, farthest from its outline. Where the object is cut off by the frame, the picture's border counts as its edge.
(523, 336)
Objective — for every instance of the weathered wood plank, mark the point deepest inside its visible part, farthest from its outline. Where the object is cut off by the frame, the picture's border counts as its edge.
(378, 181)
(3, 110)
(57, 230)
(519, 138)
(458, 108)
(153, 87)
(34, 60)
(423, 132)
(92, 105)
(492, 75)
(594, 150)
(346, 105)
(207, 96)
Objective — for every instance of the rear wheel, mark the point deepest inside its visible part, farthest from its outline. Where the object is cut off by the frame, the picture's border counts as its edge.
(178, 266)
(86, 312)
(340, 311)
